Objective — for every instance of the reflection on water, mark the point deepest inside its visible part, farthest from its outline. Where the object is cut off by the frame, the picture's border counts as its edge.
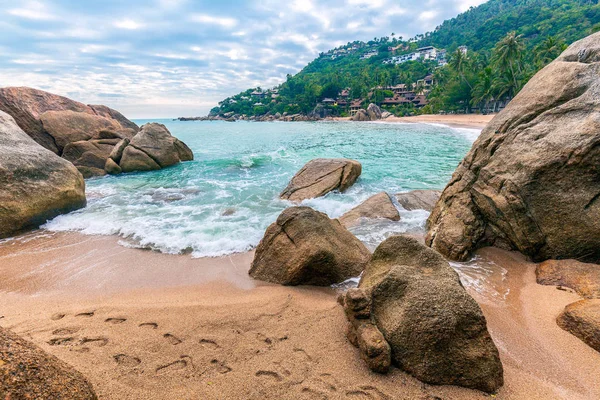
(483, 277)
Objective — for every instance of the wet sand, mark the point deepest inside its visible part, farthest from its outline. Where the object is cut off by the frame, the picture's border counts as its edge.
(140, 324)
(472, 121)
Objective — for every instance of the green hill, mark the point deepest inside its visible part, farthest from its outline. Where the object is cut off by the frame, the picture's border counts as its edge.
(507, 40)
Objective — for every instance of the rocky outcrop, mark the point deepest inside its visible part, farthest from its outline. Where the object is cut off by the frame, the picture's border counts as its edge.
(418, 199)
(582, 277)
(372, 113)
(379, 206)
(361, 116)
(582, 319)
(531, 180)
(27, 372)
(305, 247)
(320, 176)
(35, 184)
(435, 330)
(87, 135)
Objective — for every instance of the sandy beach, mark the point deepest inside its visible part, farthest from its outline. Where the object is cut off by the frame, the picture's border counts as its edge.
(140, 324)
(473, 121)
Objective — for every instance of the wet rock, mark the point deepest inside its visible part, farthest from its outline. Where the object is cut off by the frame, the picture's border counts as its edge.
(156, 141)
(183, 151)
(134, 159)
(117, 151)
(418, 199)
(112, 167)
(305, 247)
(35, 184)
(228, 212)
(321, 176)
(582, 319)
(377, 206)
(435, 330)
(531, 180)
(27, 372)
(584, 278)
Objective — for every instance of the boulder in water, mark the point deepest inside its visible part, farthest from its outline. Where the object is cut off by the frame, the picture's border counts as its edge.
(435, 330)
(35, 184)
(531, 181)
(418, 199)
(305, 247)
(379, 206)
(27, 372)
(321, 176)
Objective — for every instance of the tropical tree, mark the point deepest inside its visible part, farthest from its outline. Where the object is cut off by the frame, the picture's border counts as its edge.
(458, 62)
(484, 90)
(548, 50)
(508, 55)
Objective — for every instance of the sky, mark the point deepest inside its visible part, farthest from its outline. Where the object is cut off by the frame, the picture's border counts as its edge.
(170, 58)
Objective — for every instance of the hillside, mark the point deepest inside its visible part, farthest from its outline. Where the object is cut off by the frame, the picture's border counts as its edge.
(479, 61)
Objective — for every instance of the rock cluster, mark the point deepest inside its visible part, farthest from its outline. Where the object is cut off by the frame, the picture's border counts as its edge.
(305, 247)
(35, 184)
(418, 199)
(410, 297)
(372, 113)
(27, 372)
(379, 206)
(86, 135)
(531, 180)
(320, 176)
(582, 319)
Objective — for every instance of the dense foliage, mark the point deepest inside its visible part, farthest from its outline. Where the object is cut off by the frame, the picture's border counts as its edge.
(508, 41)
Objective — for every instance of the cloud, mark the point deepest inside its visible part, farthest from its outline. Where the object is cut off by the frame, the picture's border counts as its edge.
(166, 58)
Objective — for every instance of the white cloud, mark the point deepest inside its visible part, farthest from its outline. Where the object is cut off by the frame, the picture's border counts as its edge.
(225, 22)
(34, 10)
(127, 24)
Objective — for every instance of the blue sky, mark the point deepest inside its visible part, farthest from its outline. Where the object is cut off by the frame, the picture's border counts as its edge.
(169, 58)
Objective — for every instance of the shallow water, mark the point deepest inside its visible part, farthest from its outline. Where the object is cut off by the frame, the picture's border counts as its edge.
(222, 202)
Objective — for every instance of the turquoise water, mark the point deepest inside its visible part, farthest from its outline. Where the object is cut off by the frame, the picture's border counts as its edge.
(222, 202)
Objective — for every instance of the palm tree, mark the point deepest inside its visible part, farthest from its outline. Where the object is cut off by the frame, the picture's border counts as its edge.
(458, 62)
(484, 90)
(508, 54)
(548, 50)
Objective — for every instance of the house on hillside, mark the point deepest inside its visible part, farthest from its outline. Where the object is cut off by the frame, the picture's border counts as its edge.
(369, 54)
(328, 102)
(258, 94)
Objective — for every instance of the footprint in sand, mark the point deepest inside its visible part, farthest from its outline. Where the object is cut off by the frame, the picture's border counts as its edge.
(151, 325)
(172, 339)
(209, 344)
(221, 367)
(62, 341)
(57, 316)
(269, 375)
(65, 331)
(87, 314)
(127, 361)
(174, 366)
(97, 341)
(115, 321)
(367, 392)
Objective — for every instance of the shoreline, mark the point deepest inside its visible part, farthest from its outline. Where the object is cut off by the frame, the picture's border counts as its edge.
(468, 121)
(140, 332)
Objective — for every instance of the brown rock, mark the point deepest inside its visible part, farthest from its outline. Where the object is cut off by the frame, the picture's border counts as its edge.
(582, 319)
(436, 331)
(582, 277)
(156, 141)
(27, 372)
(89, 156)
(112, 167)
(377, 206)
(134, 159)
(320, 176)
(305, 247)
(183, 151)
(361, 115)
(418, 199)
(374, 112)
(531, 180)
(109, 113)
(117, 151)
(35, 184)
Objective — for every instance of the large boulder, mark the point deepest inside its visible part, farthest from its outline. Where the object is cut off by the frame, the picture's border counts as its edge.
(584, 278)
(320, 176)
(361, 115)
(27, 372)
(35, 184)
(379, 206)
(134, 159)
(582, 319)
(374, 112)
(305, 247)
(90, 156)
(418, 199)
(531, 181)
(435, 330)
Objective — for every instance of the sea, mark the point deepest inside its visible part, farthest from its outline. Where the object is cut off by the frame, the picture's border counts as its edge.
(221, 202)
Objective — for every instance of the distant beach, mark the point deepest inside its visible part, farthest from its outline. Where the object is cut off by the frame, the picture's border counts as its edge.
(473, 121)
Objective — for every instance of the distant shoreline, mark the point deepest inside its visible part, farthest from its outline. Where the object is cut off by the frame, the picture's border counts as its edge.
(470, 121)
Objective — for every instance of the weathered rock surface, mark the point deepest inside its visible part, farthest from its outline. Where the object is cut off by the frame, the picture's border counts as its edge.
(35, 184)
(156, 141)
(531, 182)
(90, 156)
(582, 319)
(418, 199)
(305, 247)
(27, 372)
(377, 206)
(134, 159)
(435, 330)
(584, 278)
(374, 112)
(321, 176)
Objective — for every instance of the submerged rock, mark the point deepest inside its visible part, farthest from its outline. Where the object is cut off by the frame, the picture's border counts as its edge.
(418, 199)
(582, 319)
(35, 184)
(435, 330)
(27, 372)
(321, 176)
(305, 247)
(582, 277)
(377, 206)
(531, 180)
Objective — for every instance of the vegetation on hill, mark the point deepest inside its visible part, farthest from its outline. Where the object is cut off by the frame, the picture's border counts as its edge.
(508, 42)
